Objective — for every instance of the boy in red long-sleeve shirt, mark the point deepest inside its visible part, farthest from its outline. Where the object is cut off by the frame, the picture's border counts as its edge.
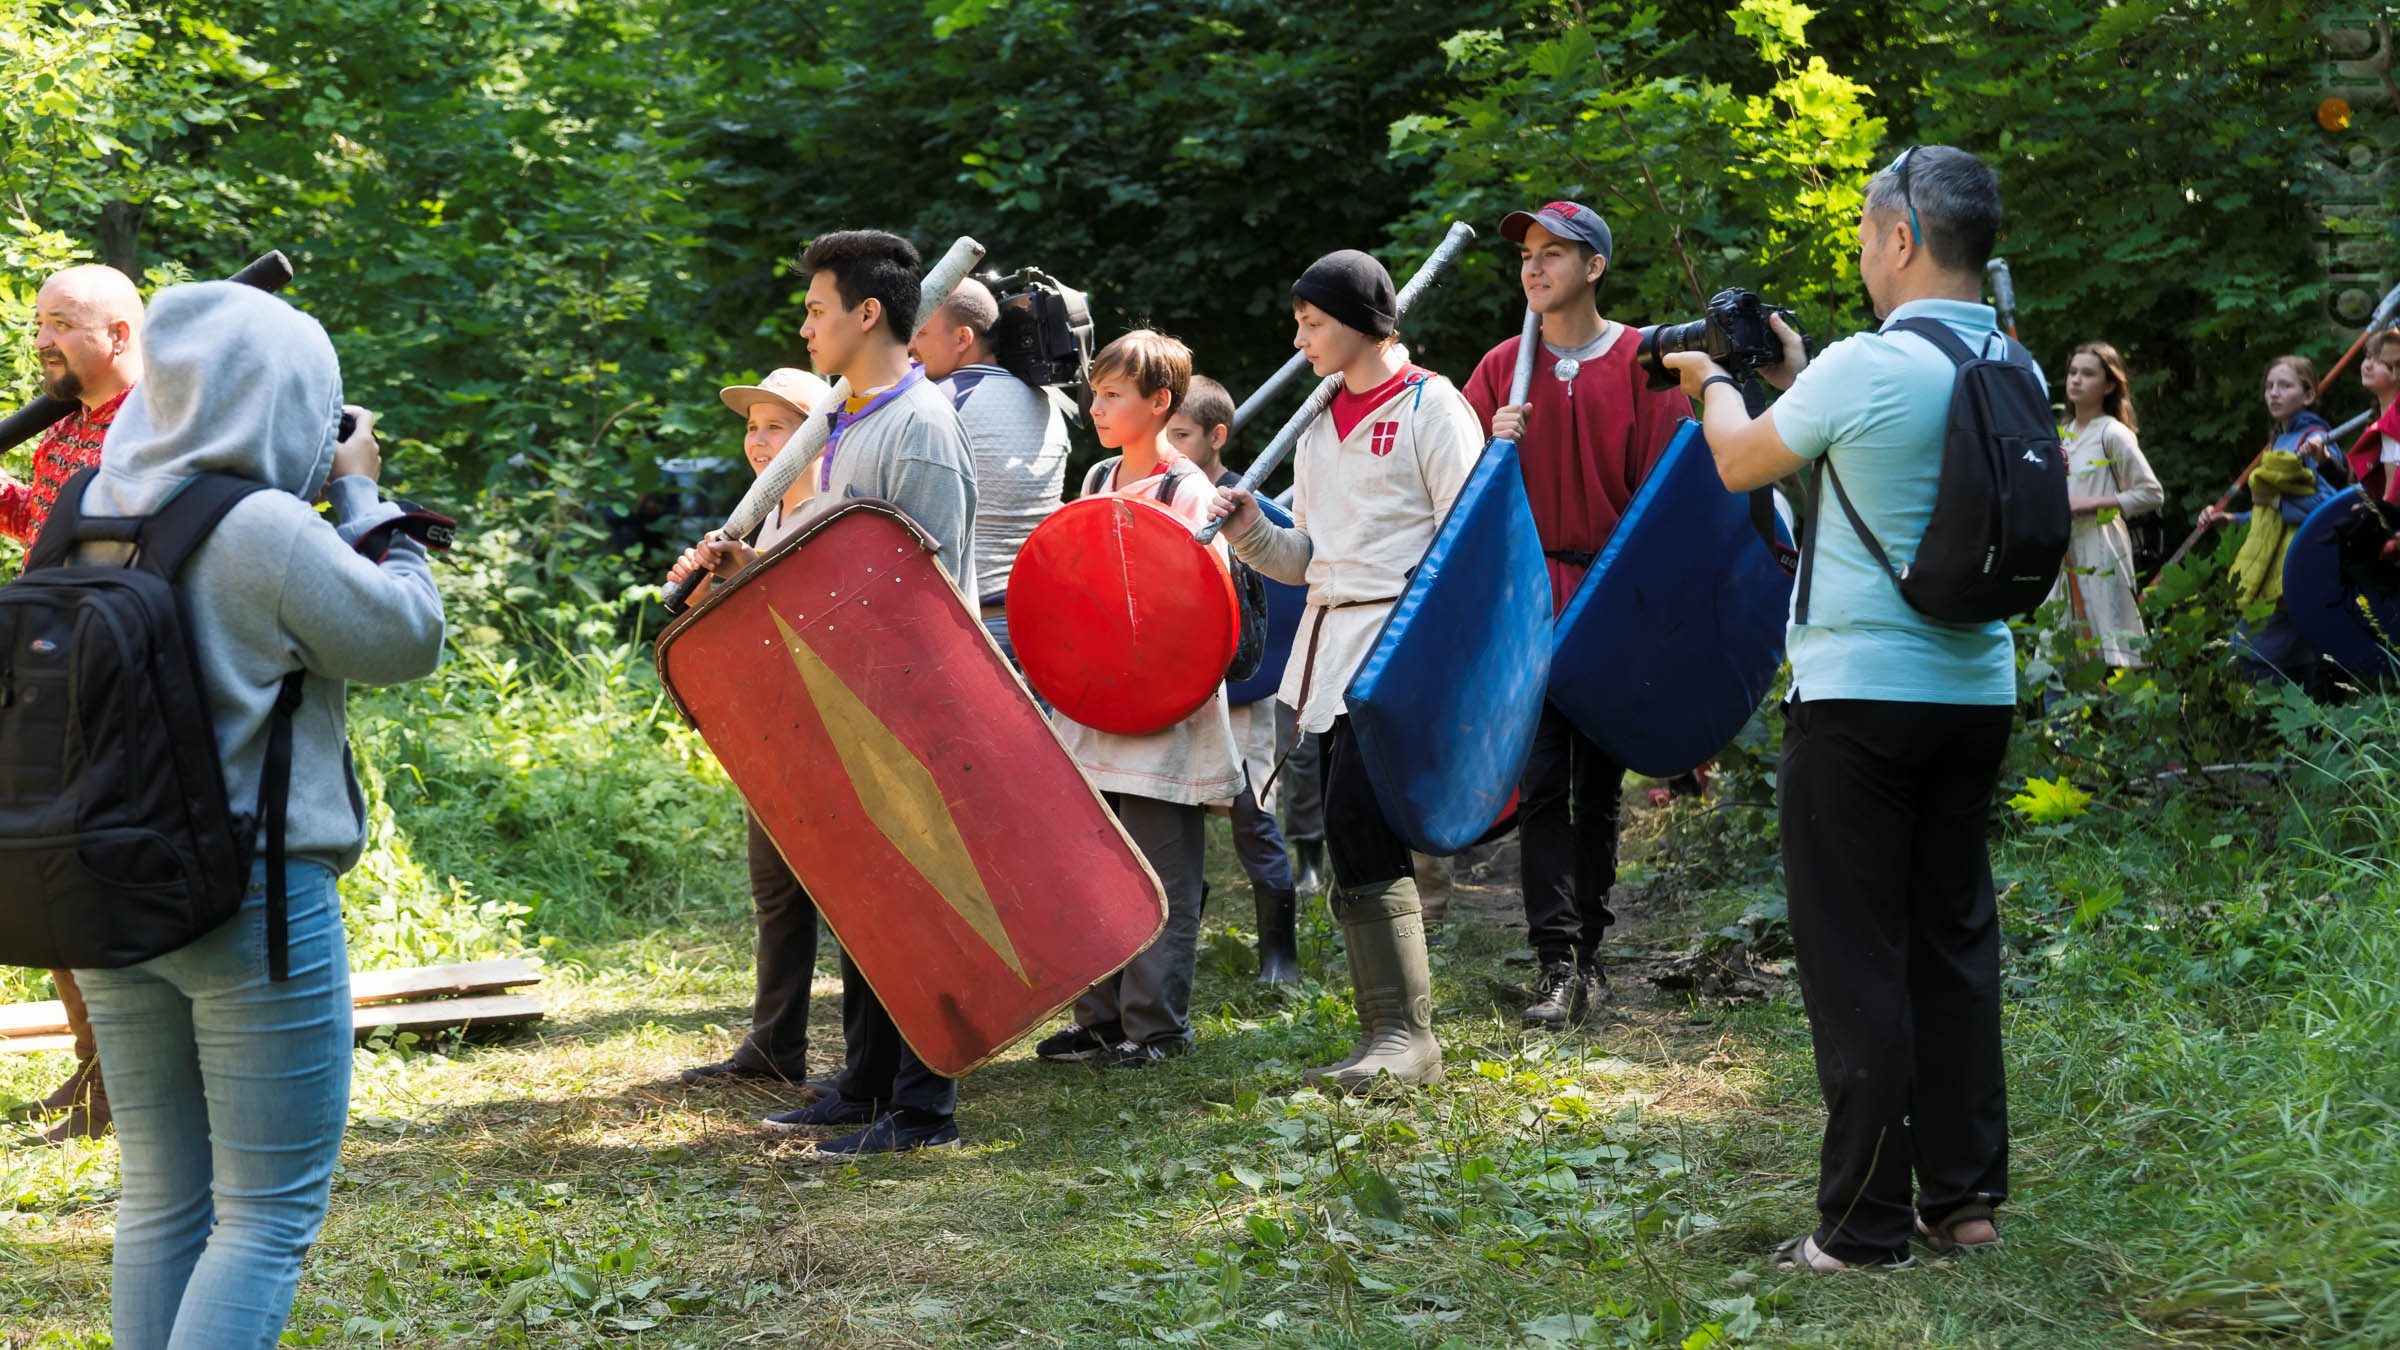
(1587, 435)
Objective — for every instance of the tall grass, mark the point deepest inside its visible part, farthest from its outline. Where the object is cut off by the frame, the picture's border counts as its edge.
(2205, 1071)
(553, 789)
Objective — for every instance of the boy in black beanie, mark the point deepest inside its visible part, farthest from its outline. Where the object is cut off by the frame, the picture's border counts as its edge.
(1372, 480)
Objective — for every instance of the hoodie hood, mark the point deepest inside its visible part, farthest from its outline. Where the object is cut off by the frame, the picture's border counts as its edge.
(234, 381)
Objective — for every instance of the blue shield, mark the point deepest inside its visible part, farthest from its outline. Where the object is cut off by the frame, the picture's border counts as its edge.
(1444, 707)
(1285, 605)
(1676, 633)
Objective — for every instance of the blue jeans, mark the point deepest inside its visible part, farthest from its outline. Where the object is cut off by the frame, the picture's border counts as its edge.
(230, 1092)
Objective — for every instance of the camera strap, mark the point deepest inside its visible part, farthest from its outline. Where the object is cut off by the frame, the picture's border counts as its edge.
(1762, 519)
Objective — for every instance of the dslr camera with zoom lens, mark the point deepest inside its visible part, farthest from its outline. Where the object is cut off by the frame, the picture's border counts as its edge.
(1734, 333)
(1045, 335)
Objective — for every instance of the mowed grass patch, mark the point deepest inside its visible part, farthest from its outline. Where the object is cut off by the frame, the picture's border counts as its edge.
(1613, 1186)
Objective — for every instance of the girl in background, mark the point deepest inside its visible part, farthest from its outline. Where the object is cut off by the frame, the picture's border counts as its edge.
(2105, 473)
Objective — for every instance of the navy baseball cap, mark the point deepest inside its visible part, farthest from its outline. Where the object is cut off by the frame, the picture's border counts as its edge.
(1567, 220)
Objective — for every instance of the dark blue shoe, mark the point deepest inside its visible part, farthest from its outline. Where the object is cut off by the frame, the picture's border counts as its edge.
(891, 1134)
(831, 1109)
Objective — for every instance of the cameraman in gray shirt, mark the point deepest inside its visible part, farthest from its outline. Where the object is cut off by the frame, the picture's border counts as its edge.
(1017, 433)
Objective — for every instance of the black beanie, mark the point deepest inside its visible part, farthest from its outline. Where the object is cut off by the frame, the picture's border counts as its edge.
(1353, 288)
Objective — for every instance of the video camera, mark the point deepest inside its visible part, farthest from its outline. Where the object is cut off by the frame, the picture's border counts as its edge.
(1734, 333)
(1045, 335)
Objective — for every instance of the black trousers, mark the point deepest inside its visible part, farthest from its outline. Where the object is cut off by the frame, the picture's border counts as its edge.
(1884, 808)
(1567, 828)
(1361, 844)
(877, 1064)
(1303, 777)
(787, 963)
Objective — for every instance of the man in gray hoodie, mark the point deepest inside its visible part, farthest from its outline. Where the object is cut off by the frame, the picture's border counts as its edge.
(231, 1088)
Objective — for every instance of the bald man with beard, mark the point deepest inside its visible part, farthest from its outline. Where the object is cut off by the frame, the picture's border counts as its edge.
(88, 336)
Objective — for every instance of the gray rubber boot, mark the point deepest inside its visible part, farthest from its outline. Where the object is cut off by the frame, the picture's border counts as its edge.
(1278, 936)
(1433, 887)
(1393, 990)
(1350, 954)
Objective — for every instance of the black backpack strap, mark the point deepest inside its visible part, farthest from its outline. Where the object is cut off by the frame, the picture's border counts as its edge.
(1865, 535)
(1939, 334)
(1944, 337)
(1093, 480)
(274, 797)
(1165, 491)
(57, 534)
(171, 534)
(1826, 473)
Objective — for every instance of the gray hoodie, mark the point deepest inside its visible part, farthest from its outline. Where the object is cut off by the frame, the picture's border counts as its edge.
(239, 382)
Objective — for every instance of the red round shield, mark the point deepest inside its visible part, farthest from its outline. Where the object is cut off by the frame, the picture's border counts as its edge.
(1121, 619)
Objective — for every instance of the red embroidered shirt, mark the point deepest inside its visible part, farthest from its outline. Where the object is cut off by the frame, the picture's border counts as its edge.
(1349, 409)
(71, 445)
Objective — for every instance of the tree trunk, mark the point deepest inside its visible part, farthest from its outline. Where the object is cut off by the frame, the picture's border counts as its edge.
(121, 236)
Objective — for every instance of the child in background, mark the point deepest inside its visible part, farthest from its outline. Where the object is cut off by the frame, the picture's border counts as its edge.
(1198, 431)
(775, 1052)
(2295, 475)
(2294, 425)
(2105, 472)
(2375, 456)
(1157, 784)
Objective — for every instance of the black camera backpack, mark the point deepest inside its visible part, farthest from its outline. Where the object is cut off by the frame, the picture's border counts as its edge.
(1249, 588)
(2000, 523)
(119, 842)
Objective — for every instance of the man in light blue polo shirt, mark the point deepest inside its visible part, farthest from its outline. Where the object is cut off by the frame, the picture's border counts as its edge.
(1892, 742)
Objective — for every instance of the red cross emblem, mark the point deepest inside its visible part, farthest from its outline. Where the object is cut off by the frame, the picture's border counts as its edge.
(1383, 438)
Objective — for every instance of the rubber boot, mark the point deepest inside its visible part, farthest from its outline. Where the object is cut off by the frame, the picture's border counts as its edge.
(1278, 935)
(1357, 982)
(1393, 990)
(1433, 887)
(1308, 871)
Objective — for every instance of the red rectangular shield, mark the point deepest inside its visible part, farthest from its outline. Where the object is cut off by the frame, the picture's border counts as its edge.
(919, 794)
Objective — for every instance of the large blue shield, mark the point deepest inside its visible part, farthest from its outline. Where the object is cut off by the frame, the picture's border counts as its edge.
(2337, 590)
(1444, 707)
(1676, 633)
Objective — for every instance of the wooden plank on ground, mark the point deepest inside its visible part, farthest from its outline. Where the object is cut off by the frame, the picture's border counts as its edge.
(451, 981)
(19, 1020)
(26, 1045)
(490, 1010)
(33, 1019)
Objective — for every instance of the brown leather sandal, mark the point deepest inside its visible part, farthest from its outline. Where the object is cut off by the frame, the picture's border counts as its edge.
(1943, 1238)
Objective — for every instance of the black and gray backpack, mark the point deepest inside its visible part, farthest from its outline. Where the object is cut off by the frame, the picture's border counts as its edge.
(114, 825)
(1998, 534)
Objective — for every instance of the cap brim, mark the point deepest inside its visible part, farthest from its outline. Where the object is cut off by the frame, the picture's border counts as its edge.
(1514, 224)
(743, 397)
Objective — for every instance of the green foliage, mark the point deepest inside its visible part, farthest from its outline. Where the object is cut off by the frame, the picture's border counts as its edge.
(2050, 801)
(1746, 170)
(543, 761)
(2155, 159)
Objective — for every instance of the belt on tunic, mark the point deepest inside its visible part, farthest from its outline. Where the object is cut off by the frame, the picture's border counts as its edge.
(1571, 557)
